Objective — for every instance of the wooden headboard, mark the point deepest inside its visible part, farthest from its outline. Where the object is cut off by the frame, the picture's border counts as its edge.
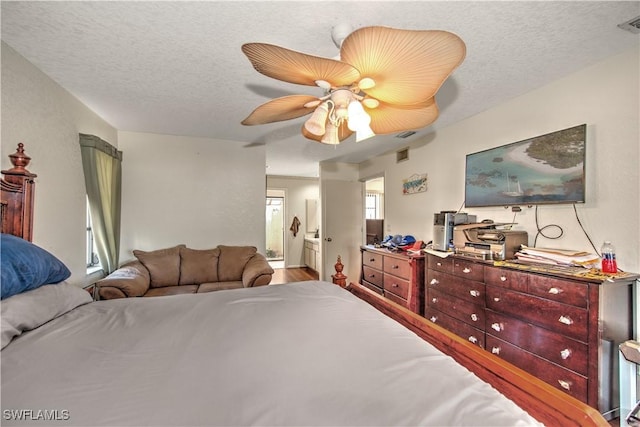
(17, 196)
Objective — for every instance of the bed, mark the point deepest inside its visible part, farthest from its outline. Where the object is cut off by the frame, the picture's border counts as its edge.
(306, 353)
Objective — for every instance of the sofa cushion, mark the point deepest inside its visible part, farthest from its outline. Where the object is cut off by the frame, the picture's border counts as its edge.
(163, 265)
(172, 290)
(198, 266)
(232, 261)
(219, 286)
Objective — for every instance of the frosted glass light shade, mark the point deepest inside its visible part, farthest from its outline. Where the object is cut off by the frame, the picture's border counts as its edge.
(317, 121)
(331, 136)
(356, 115)
(364, 132)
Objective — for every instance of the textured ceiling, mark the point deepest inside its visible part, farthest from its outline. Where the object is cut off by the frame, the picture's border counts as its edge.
(176, 67)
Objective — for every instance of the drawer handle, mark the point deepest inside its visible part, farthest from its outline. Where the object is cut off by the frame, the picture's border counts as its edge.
(565, 384)
(372, 275)
(434, 282)
(497, 327)
(474, 317)
(503, 278)
(395, 267)
(474, 293)
(496, 299)
(394, 285)
(433, 319)
(466, 270)
(566, 320)
(439, 264)
(555, 291)
(434, 300)
(565, 354)
(473, 339)
(495, 350)
(372, 260)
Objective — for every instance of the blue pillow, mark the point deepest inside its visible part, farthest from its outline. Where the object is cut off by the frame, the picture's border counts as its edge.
(26, 266)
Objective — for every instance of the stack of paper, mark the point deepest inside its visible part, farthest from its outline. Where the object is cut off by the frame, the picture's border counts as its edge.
(558, 257)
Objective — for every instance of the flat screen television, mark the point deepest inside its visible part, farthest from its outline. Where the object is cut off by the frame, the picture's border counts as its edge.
(541, 170)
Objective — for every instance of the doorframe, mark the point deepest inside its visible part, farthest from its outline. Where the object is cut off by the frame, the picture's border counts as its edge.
(280, 192)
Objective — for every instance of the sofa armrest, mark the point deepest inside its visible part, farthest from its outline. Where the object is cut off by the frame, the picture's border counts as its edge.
(257, 272)
(130, 280)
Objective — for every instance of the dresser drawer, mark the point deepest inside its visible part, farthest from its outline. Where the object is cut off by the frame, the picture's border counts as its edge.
(440, 264)
(468, 269)
(554, 347)
(561, 318)
(372, 260)
(468, 290)
(397, 267)
(373, 287)
(565, 291)
(459, 309)
(373, 276)
(395, 298)
(561, 378)
(396, 285)
(461, 329)
(506, 278)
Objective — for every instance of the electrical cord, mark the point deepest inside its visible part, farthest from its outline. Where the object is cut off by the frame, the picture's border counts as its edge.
(540, 231)
(585, 231)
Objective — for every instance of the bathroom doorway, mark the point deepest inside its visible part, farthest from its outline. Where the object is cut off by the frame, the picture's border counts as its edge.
(275, 227)
(374, 210)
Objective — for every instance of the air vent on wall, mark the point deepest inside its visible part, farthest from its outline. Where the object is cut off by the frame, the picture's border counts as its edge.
(633, 25)
(402, 155)
(406, 134)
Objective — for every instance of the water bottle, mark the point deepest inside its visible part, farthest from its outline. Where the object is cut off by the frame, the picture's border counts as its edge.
(609, 264)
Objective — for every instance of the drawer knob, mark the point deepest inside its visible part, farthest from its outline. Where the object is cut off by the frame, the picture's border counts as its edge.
(394, 285)
(474, 317)
(496, 299)
(565, 354)
(495, 350)
(439, 264)
(372, 275)
(474, 293)
(566, 320)
(434, 300)
(496, 327)
(372, 260)
(433, 319)
(554, 291)
(565, 384)
(473, 339)
(503, 278)
(395, 267)
(466, 270)
(434, 282)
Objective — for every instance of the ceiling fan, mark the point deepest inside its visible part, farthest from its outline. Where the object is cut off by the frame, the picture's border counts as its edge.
(384, 82)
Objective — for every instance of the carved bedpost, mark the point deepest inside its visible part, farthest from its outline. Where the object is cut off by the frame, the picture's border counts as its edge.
(17, 196)
(339, 278)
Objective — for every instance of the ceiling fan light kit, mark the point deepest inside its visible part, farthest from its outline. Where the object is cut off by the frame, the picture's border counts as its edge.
(384, 82)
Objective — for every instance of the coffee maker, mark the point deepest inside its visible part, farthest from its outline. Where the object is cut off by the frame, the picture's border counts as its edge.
(443, 223)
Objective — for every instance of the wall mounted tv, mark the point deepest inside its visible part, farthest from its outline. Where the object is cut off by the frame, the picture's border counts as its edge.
(541, 170)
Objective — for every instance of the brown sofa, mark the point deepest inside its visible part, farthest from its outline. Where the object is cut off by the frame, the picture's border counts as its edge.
(180, 270)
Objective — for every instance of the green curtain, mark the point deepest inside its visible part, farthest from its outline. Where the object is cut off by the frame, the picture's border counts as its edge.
(102, 164)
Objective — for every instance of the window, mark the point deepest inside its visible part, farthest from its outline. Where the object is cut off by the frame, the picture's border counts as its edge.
(92, 256)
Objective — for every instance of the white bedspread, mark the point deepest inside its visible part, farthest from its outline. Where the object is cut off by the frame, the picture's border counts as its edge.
(308, 353)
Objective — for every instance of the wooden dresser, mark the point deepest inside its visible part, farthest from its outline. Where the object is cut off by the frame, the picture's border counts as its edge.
(395, 275)
(563, 330)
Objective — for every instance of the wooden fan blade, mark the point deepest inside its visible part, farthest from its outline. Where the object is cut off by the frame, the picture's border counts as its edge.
(407, 66)
(279, 109)
(343, 133)
(388, 118)
(300, 68)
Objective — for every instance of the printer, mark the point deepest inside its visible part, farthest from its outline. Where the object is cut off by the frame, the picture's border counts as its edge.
(487, 241)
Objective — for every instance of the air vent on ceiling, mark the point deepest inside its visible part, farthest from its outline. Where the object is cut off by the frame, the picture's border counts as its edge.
(632, 25)
(402, 155)
(406, 134)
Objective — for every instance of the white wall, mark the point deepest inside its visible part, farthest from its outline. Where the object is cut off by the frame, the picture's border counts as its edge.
(197, 191)
(298, 190)
(604, 96)
(47, 119)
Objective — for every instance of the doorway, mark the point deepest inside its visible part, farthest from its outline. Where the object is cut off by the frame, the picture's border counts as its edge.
(374, 210)
(275, 228)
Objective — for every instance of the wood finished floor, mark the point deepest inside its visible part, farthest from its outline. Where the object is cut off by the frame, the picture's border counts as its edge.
(288, 275)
